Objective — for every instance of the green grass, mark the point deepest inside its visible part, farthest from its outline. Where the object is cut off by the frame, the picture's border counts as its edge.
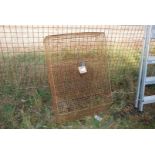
(23, 70)
(32, 109)
(24, 107)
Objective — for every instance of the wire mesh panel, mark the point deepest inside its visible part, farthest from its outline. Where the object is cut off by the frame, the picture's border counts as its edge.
(78, 93)
(22, 54)
(23, 65)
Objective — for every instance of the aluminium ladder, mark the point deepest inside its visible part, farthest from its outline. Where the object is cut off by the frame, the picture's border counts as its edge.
(146, 59)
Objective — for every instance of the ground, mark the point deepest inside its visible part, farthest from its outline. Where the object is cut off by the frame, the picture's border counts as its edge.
(22, 107)
(32, 109)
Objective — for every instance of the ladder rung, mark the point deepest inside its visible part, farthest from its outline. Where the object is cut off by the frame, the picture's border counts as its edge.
(150, 80)
(149, 99)
(151, 60)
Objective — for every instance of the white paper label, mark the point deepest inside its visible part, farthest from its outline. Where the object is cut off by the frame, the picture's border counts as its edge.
(82, 69)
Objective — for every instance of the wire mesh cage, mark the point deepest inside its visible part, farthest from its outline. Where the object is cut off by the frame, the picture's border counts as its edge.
(78, 73)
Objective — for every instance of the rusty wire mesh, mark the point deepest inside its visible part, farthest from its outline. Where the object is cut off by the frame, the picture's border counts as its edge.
(74, 92)
(23, 64)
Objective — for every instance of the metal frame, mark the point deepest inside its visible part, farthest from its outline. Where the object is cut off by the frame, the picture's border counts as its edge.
(143, 80)
(141, 68)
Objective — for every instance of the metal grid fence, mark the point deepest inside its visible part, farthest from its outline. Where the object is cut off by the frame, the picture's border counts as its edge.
(22, 61)
(22, 54)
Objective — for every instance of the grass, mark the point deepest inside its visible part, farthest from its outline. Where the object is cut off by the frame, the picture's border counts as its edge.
(31, 108)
